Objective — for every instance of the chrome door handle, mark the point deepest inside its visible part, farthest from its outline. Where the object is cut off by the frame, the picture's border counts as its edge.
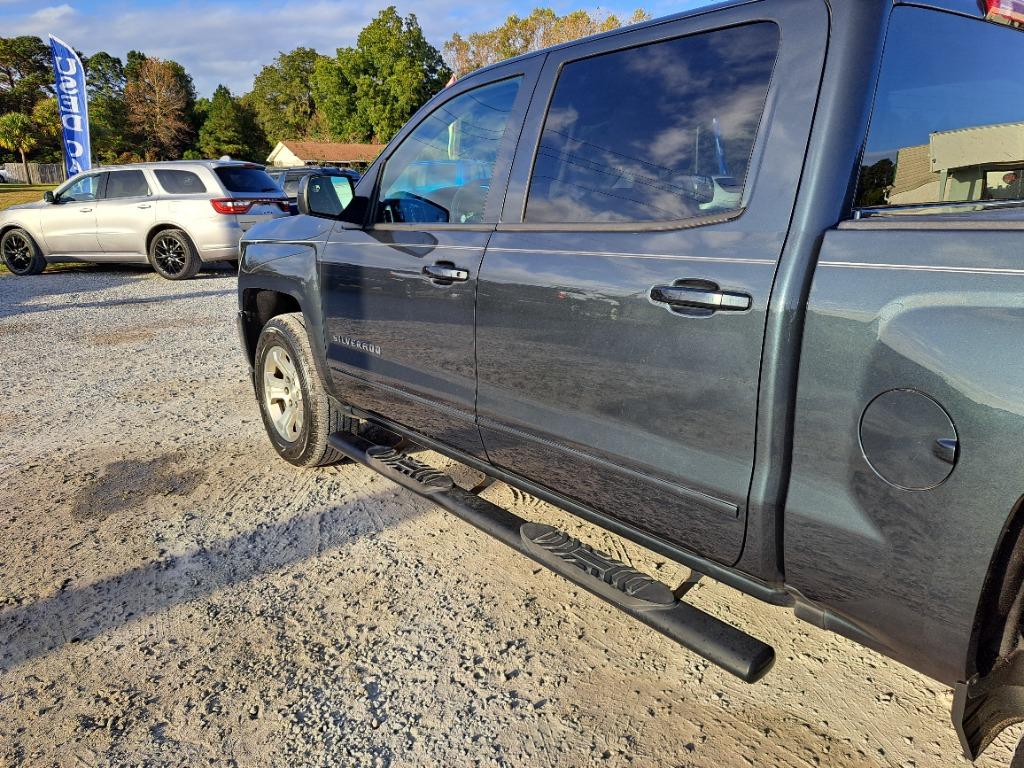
(143, 205)
(946, 449)
(84, 210)
(706, 297)
(445, 272)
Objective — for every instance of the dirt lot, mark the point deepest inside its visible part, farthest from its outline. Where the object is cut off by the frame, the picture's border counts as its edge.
(172, 594)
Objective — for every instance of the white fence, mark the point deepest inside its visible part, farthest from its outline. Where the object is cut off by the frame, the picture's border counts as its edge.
(42, 173)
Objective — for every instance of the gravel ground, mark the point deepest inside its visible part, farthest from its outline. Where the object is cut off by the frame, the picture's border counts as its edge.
(173, 594)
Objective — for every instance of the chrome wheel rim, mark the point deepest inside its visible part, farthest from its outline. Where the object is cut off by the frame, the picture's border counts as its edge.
(17, 252)
(282, 394)
(169, 253)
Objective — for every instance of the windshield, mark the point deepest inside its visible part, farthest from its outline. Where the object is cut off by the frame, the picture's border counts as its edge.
(948, 122)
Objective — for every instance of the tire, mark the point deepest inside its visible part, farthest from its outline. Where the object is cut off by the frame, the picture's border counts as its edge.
(20, 253)
(173, 256)
(1017, 761)
(284, 362)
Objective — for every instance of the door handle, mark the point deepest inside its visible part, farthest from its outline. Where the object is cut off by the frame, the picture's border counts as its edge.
(446, 272)
(85, 210)
(143, 205)
(705, 296)
(946, 449)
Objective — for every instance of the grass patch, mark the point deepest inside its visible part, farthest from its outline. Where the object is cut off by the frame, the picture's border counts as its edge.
(16, 194)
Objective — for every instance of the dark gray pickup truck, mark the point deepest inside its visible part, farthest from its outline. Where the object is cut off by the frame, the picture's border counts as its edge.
(744, 285)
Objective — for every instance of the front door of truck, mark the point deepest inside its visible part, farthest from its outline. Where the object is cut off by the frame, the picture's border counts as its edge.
(400, 295)
(622, 299)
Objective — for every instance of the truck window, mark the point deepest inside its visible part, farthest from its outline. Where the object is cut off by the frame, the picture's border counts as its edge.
(948, 121)
(659, 132)
(441, 173)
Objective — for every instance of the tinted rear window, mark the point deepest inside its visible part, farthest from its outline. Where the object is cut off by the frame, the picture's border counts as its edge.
(180, 182)
(660, 132)
(126, 184)
(948, 122)
(241, 179)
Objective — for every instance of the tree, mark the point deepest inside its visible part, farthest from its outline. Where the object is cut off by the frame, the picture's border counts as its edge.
(110, 132)
(282, 96)
(18, 134)
(334, 91)
(230, 128)
(25, 73)
(133, 64)
(370, 91)
(875, 182)
(46, 122)
(105, 76)
(156, 103)
(519, 35)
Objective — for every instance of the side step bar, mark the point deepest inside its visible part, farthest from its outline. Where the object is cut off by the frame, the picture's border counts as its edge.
(629, 590)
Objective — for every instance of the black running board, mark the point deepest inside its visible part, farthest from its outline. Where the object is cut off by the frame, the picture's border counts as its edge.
(629, 590)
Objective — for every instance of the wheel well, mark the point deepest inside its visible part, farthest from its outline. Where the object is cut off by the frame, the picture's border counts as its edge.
(157, 230)
(999, 622)
(258, 307)
(7, 228)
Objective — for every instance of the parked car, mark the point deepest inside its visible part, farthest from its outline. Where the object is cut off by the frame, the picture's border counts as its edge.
(784, 377)
(288, 179)
(174, 215)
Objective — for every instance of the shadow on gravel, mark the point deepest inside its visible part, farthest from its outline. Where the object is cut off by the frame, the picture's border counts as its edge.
(9, 310)
(128, 484)
(83, 613)
(20, 293)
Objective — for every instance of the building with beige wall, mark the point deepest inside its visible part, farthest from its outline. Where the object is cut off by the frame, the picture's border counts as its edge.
(288, 154)
(979, 163)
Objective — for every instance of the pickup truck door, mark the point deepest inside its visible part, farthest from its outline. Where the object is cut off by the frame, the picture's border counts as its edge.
(622, 299)
(399, 295)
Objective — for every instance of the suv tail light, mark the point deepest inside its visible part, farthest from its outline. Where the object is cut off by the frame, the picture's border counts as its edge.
(231, 205)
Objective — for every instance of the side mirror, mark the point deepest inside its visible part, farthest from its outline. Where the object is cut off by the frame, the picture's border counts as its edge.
(49, 197)
(324, 196)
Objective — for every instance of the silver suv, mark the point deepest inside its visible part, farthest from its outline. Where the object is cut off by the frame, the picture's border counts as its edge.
(173, 215)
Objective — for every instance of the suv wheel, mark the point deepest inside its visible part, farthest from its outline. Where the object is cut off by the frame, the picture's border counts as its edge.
(297, 412)
(173, 256)
(20, 253)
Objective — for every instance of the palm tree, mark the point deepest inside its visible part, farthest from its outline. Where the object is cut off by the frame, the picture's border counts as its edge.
(18, 134)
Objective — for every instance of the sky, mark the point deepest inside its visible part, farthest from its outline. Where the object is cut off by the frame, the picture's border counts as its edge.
(920, 93)
(228, 41)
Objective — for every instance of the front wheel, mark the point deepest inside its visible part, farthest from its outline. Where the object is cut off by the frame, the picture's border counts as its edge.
(20, 253)
(173, 256)
(297, 412)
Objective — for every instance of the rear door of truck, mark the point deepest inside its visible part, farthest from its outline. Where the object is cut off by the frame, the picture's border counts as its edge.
(622, 298)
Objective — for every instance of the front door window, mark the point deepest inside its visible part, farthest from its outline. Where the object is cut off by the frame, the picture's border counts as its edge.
(85, 189)
(442, 171)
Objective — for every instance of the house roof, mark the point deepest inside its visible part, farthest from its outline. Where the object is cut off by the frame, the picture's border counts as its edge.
(913, 169)
(329, 151)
